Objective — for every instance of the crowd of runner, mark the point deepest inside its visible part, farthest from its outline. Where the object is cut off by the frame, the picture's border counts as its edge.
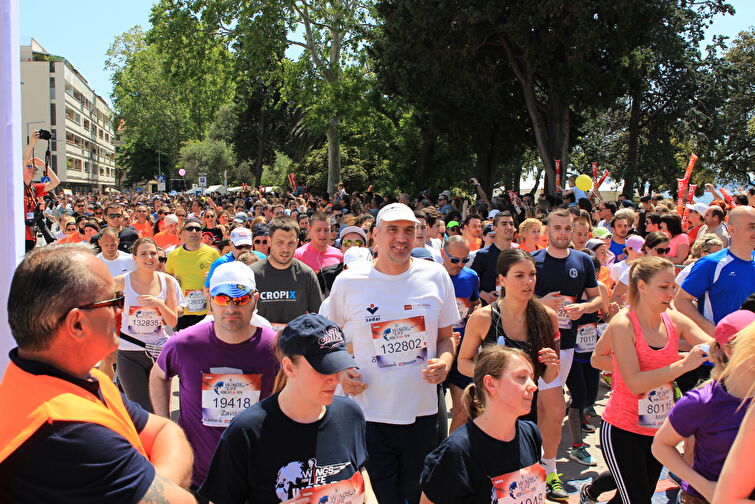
(316, 338)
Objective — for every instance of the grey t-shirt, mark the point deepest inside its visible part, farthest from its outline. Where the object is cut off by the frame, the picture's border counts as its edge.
(286, 294)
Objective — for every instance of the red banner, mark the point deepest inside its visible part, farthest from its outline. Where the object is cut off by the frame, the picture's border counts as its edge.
(727, 197)
(606, 173)
(558, 175)
(690, 167)
(594, 172)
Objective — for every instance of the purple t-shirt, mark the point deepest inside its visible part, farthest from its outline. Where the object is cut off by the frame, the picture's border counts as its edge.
(713, 416)
(217, 381)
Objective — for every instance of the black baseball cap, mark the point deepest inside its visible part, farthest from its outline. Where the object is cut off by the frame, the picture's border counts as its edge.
(318, 340)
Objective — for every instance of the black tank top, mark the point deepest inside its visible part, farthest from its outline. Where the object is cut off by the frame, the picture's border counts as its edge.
(497, 336)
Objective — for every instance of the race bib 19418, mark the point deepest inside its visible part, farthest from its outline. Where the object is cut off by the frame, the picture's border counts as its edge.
(525, 486)
(399, 343)
(226, 395)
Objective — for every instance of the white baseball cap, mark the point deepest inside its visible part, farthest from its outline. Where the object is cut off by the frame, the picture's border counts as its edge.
(356, 254)
(396, 212)
(700, 208)
(241, 236)
(234, 279)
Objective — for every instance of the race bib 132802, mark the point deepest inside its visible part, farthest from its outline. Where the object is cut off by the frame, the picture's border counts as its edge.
(399, 343)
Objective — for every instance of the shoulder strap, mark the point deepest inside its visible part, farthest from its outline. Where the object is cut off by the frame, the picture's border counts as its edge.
(495, 321)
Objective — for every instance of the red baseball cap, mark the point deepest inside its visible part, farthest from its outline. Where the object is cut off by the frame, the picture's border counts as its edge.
(730, 325)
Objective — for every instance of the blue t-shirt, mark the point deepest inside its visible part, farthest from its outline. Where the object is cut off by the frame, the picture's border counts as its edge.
(721, 282)
(570, 276)
(467, 290)
(618, 250)
(225, 258)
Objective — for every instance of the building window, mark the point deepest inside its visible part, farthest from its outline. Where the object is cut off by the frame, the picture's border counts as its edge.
(53, 139)
(52, 88)
(53, 115)
(55, 163)
(52, 67)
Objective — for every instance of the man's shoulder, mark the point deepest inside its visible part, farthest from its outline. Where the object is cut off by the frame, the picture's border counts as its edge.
(258, 267)
(334, 251)
(468, 273)
(301, 267)
(539, 254)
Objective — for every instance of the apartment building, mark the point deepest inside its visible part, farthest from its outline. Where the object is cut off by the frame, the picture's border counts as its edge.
(56, 97)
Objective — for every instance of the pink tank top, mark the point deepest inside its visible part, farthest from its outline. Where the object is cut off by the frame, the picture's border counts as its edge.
(644, 413)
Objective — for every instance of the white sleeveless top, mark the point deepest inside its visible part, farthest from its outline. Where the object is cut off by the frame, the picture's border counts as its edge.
(144, 323)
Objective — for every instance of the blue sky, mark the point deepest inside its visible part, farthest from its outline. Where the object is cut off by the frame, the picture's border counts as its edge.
(83, 30)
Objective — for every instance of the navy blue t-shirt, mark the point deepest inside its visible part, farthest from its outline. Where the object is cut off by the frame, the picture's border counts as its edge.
(485, 265)
(74, 462)
(460, 470)
(570, 276)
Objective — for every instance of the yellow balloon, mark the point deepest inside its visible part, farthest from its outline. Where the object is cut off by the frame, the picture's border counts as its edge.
(583, 182)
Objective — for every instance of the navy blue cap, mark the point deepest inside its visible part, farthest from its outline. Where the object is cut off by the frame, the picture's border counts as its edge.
(318, 340)
(422, 253)
(261, 229)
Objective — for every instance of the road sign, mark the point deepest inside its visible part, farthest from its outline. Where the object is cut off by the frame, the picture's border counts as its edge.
(160, 179)
(202, 182)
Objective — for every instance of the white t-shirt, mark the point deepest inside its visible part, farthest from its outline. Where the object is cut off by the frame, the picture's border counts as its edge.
(392, 322)
(617, 270)
(120, 265)
(437, 256)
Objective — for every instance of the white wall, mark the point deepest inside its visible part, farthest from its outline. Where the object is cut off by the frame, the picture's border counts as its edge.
(11, 191)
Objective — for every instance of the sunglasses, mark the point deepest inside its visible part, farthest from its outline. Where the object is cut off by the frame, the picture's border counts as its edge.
(334, 228)
(457, 260)
(117, 302)
(224, 300)
(114, 215)
(180, 215)
(71, 228)
(193, 229)
(353, 243)
(162, 259)
(663, 250)
(141, 211)
(260, 242)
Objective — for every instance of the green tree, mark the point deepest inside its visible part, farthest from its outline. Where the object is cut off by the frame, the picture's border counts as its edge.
(213, 158)
(259, 32)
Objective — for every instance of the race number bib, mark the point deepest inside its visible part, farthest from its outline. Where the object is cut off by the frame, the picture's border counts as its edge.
(195, 301)
(564, 322)
(462, 304)
(144, 321)
(587, 336)
(525, 486)
(226, 395)
(601, 328)
(399, 343)
(350, 491)
(653, 407)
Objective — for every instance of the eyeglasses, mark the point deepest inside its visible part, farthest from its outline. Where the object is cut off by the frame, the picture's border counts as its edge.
(180, 215)
(114, 215)
(260, 242)
(117, 302)
(662, 251)
(352, 243)
(193, 229)
(162, 259)
(225, 300)
(457, 260)
(334, 228)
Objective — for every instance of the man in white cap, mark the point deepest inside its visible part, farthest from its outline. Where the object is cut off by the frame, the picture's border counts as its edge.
(695, 216)
(397, 317)
(350, 237)
(241, 240)
(224, 365)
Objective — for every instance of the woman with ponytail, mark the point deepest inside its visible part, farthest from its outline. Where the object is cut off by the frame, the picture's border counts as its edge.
(496, 454)
(516, 320)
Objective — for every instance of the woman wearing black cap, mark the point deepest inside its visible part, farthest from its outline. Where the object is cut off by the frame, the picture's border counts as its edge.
(302, 444)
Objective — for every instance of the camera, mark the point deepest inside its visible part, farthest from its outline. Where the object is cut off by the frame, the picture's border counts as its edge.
(44, 135)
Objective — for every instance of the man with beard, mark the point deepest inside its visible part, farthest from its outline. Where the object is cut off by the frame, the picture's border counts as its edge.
(620, 226)
(563, 275)
(486, 259)
(288, 287)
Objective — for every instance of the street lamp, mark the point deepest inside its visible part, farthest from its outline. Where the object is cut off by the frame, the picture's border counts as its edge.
(27, 128)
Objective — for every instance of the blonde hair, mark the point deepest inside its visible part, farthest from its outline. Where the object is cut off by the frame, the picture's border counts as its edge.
(742, 362)
(704, 243)
(529, 223)
(491, 361)
(644, 269)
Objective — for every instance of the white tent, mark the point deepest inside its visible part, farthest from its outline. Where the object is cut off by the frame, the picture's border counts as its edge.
(216, 188)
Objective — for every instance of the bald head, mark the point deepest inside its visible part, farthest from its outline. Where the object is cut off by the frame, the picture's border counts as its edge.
(742, 230)
(741, 214)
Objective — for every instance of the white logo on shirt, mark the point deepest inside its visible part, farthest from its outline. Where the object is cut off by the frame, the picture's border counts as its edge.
(573, 273)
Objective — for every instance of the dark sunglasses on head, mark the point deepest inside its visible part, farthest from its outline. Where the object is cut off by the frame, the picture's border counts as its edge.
(162, 259)
(663, 250)
(117, 302)
(224, 300)
(352, 243)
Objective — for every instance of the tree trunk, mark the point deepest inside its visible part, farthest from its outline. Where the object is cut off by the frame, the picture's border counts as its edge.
(260, 149)
(421, 177)
(630, 174)
(334, 154)
(488, 149)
